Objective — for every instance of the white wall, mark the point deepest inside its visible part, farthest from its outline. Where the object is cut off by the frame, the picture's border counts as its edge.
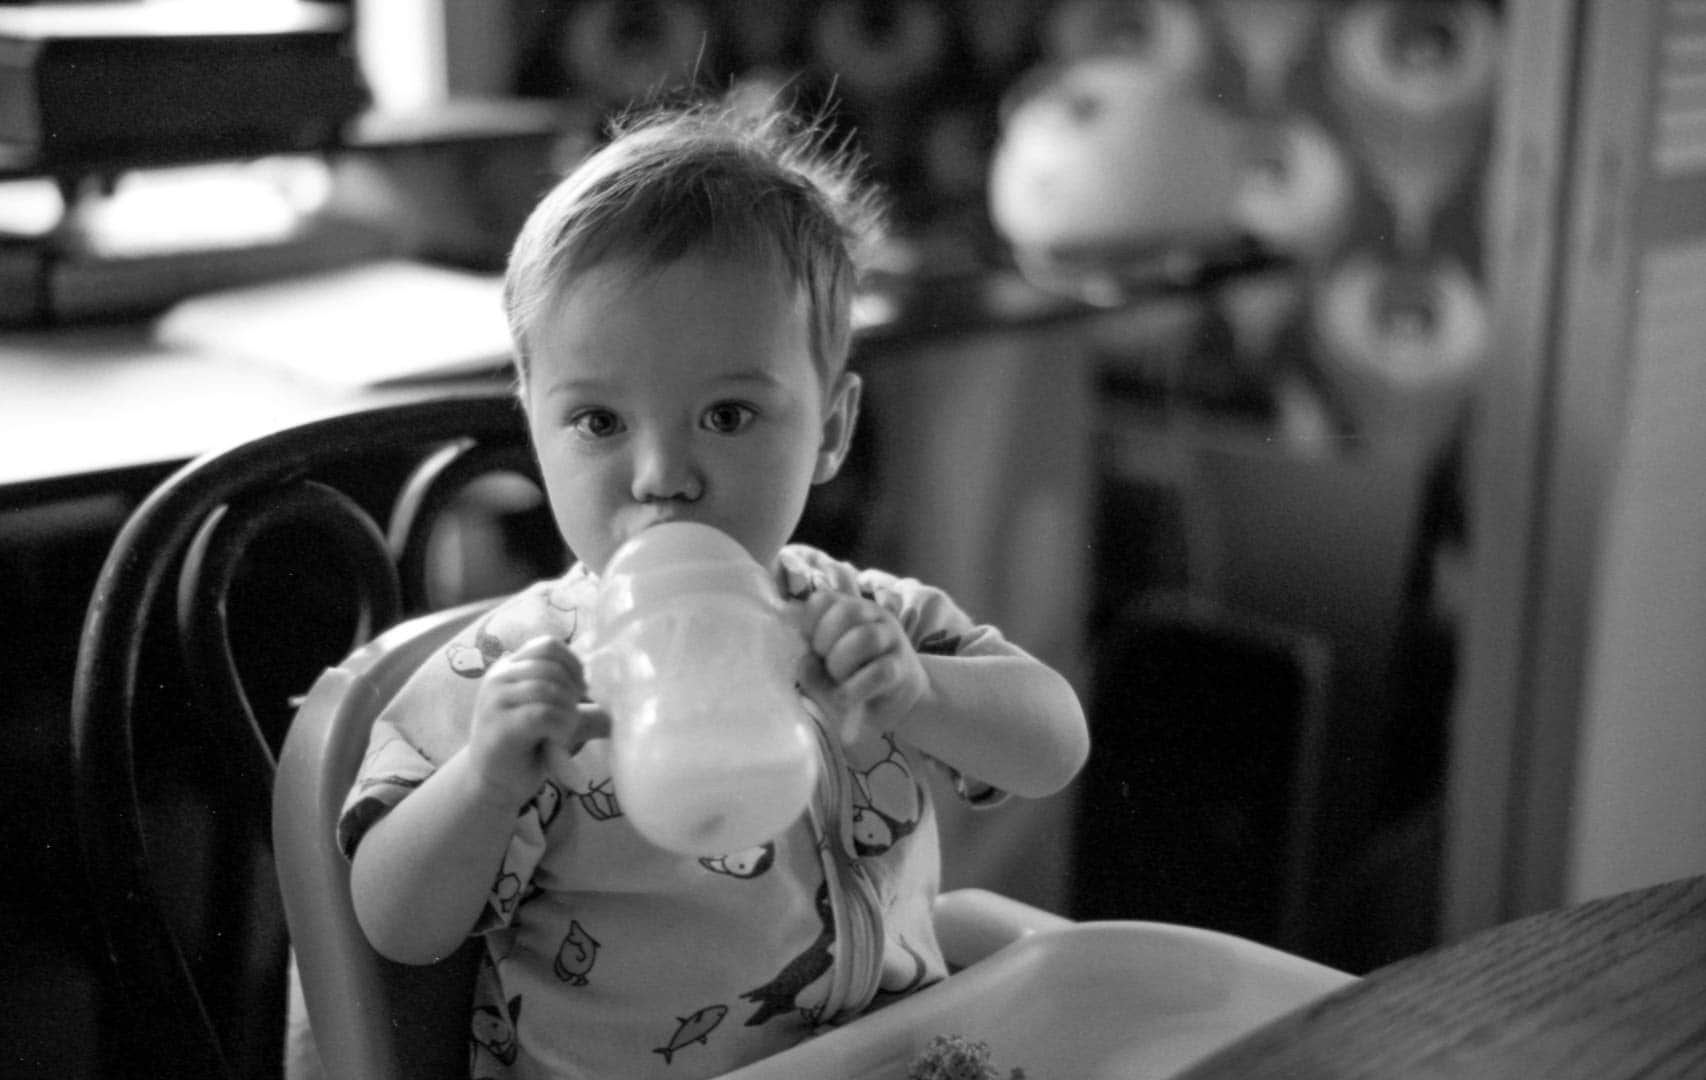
(1640, 803)
(1579, 743)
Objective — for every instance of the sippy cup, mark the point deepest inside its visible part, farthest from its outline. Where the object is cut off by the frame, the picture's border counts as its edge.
(694, 658)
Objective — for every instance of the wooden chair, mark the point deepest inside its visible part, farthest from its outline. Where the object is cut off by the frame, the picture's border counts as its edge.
(230, 587)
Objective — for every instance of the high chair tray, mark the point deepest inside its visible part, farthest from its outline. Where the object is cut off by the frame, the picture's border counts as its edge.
(1084, 1001)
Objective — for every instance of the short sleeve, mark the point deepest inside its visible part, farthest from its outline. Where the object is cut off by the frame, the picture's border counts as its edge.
(933, 621)
(392, 768)
(429, 720)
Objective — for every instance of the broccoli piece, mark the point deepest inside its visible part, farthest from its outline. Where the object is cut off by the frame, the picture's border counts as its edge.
(955, 1057)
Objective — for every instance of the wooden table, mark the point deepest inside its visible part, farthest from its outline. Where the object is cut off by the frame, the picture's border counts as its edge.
(1600, 990)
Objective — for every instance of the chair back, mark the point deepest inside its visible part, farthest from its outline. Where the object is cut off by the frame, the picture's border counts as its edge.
(231, 586)
(368, 1018)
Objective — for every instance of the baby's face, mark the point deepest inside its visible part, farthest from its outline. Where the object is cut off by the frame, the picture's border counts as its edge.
(686, 393)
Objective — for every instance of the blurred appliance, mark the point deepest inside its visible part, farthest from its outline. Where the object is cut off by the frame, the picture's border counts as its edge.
(99, 96)
(99, 86)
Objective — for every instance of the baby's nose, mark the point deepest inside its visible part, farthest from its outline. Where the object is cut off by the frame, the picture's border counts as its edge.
(664, 469)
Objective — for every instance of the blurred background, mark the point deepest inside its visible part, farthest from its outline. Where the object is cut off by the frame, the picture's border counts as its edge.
(1169, 365)
(1184, 363)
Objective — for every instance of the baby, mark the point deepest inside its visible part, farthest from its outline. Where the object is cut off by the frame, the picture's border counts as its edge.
(680, 306)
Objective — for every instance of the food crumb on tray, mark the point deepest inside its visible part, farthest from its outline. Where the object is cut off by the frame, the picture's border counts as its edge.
(955, 1057)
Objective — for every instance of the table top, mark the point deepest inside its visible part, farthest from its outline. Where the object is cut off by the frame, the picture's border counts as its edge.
(82, 405)
(1599, 990)
(93, 403)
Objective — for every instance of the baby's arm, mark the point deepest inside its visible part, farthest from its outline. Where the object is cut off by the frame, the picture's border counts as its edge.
(1008, 720)
(423, 872)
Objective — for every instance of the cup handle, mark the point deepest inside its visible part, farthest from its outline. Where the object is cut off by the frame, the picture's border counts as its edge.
(605, 672)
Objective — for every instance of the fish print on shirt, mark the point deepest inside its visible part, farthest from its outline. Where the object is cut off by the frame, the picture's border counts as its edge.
(545, 805)
(597, 798)
(887, 803)
(576, 955)
(472, 660)
(506, 891)
(900, 980)
(787, 992)
(751, 863)
(692, 1029)
(494, 1032)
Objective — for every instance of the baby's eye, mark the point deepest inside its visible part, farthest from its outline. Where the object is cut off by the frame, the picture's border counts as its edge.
(728, 417)
(595, 423)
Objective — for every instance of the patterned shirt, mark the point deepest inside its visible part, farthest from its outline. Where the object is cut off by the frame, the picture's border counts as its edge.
(607, 956)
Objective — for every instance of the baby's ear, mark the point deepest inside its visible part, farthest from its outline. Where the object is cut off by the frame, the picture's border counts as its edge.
(839, 419)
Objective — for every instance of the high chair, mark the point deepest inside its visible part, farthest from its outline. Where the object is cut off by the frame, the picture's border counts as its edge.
(369, 1018)
(354, 1014)
(1029, 981)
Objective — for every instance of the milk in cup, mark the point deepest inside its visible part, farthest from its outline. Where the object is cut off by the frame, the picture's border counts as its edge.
(693, 656)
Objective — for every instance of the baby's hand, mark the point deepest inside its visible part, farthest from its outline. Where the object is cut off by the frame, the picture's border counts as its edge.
(528, 710)
(868, 671)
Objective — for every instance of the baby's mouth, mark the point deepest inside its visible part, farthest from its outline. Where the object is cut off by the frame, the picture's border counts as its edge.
(664, 515)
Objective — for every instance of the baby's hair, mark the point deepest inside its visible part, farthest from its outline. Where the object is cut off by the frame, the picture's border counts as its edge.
(724, 179)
